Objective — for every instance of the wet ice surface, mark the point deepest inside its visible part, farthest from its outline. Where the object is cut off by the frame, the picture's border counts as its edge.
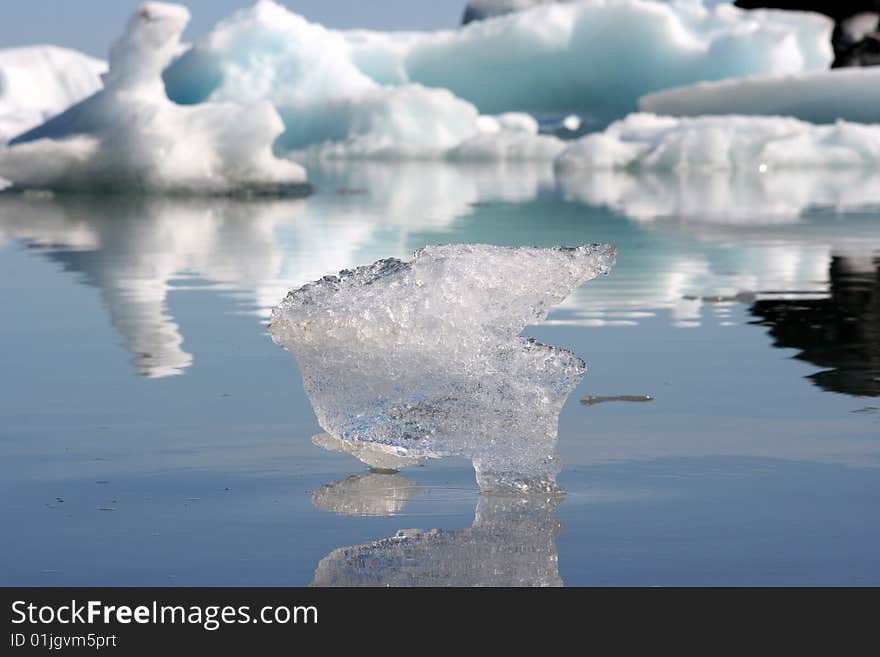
(755, 463)
(422, 358)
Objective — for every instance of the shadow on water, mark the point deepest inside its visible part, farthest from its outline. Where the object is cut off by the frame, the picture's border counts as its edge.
(840, 334)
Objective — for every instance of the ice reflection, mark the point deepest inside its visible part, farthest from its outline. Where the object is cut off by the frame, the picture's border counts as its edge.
(512, 542)
(684, 239)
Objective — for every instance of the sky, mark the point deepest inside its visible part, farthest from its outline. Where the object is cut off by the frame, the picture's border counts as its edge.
(91, 25)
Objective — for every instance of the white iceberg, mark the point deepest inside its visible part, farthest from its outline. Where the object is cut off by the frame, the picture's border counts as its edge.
(129, 135)
(592, 57)
(423, 356)
(852, 94)
(38, 82)
(646, 142)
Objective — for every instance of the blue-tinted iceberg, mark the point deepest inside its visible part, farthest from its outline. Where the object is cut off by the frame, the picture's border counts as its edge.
(129, 135)
(851, 94)
(39, 82)
(423, 358)
(592, 57)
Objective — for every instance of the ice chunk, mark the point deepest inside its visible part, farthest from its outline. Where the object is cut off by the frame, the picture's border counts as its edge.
(129, 135)
(646, 142)
(852, 94)
(423, 356)
(512, 542)
(532, 61)
(38, 82)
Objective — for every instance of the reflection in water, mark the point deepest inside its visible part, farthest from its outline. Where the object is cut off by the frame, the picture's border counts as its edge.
(373, 494)
(512, 542)
(134, 249)
(689, 238)
(840, 334)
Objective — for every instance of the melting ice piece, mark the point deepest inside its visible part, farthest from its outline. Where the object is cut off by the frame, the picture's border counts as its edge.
(130, 135)
(512, 542)
(422, 358)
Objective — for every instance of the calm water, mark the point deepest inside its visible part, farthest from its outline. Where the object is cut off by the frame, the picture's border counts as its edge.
(151, 433)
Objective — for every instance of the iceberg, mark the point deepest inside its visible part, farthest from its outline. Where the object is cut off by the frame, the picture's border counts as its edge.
(512, 542)
(646, 142)
(423, 357)
(129, 135)
(38, 82)
(851, 94)
(331, 85)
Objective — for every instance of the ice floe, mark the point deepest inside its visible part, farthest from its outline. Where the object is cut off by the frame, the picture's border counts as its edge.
(129, 135)
(423, 358)
(647, 142)
(852, 94)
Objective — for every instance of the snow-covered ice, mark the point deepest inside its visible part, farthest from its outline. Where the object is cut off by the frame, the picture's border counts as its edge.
(129, 135)
(852, 94)
(423, 357)
(38, 82)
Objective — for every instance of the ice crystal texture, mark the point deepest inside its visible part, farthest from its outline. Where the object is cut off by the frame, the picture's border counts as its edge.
(424, 359)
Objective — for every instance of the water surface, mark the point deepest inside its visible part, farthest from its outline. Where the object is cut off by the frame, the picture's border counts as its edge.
(151, 433)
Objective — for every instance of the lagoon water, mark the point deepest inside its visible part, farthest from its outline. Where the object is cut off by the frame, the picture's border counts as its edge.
(151, 433)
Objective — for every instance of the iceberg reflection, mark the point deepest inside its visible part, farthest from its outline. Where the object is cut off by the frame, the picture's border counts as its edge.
(690, 237)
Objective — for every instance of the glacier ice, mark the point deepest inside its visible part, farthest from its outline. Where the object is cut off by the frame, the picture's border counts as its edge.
(129, 135)
(647, 142)
(532, 62)
(423, 358)
(852, 94)
(512, 542)
(38, 82)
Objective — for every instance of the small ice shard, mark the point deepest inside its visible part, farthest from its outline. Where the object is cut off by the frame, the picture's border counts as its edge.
(423, 357)
(512, 542)
(129, 135)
